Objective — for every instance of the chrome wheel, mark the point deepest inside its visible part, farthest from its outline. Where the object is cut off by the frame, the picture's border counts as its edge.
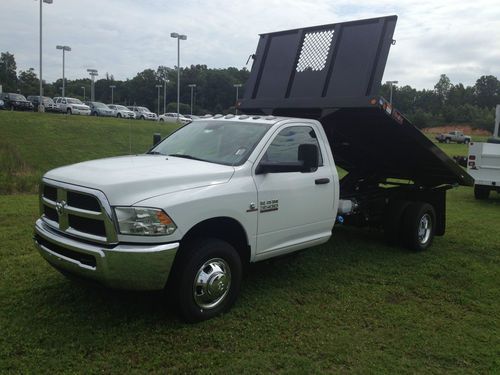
(424, 229)
(212, 283)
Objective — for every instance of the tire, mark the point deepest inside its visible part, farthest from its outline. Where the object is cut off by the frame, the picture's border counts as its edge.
(119, 115)
(481, 192)
(219, 265)
(447, 140)
(68, 111)
(142, 118)
(467, 141)
(95, 114)
(419, 225)
(392, 221)
(162, 120)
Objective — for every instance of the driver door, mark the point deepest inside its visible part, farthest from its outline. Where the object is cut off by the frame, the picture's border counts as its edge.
(295, 209)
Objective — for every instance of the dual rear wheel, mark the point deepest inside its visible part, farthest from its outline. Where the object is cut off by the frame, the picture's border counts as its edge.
(411, 224)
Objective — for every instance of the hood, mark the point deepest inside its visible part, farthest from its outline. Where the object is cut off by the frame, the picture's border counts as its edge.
(129, 179)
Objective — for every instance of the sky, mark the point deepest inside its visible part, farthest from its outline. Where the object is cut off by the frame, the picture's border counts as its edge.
(460, 38)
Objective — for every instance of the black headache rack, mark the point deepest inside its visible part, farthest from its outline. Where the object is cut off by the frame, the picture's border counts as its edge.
(332, 73)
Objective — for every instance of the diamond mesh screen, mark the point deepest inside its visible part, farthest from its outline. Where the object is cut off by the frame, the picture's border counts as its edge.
(314, 51)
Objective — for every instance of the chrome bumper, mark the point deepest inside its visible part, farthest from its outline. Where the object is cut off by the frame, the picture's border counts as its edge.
(132, 267)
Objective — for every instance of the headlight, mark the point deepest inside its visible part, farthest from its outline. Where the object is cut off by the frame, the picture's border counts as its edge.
(144, 221)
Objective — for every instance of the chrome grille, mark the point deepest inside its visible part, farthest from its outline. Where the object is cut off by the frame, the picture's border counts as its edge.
(78, 212)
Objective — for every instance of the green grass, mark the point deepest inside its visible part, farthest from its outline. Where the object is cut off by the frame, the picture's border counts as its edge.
(353, 305)
(31, 144)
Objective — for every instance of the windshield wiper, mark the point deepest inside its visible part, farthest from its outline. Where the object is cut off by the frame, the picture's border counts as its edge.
(155, 153)
(185, 156)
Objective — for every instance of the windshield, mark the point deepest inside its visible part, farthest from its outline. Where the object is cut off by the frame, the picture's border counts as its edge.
(143, 109)
(73, 101)
(221, 142)
(17, 97)
(121, 108)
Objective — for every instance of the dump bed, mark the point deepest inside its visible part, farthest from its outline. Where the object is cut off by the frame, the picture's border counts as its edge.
(333, 73)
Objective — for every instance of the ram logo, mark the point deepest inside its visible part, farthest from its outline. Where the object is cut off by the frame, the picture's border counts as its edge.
(60, 206)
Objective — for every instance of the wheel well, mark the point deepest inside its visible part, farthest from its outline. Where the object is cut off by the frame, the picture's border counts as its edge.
(223, 228)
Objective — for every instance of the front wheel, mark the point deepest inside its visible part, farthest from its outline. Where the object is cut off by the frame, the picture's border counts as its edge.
(208, 279)
(467, 141)
(119, 115)
(419, 224)
(68, 111)
(447, 140)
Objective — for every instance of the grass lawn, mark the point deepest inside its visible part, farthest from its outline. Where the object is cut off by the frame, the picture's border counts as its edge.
(353, 305)
(31, 144)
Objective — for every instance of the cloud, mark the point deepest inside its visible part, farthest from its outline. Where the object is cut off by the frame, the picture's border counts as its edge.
(123, 37)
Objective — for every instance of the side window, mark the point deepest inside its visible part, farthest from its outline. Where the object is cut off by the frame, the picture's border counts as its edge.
(285, 146)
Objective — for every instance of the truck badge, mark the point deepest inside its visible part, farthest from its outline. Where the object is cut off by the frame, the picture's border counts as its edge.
(268, 206)
(60, 207)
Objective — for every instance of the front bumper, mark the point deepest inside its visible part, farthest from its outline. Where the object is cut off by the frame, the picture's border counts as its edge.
(78, 111)
(124, 266)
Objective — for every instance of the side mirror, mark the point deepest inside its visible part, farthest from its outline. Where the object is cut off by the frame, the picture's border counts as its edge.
(308, 162)
(308, 154)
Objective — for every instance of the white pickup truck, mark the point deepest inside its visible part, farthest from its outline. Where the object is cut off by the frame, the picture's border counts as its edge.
(224, 191)
(484, 163)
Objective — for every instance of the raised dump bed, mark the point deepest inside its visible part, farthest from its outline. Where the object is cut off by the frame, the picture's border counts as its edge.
(333, 73)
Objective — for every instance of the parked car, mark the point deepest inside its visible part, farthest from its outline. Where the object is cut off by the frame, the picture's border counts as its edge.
(142, 113)
(16, 101)
(100, 109)
(48, 103)
(172, 117)
(71, 106)
(2, 104)
(455, 136)
(121, 111)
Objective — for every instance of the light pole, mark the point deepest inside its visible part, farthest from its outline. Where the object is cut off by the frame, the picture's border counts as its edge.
(83, 87)
(93, 73)
(391, 83)
(64, 49)
(112, 87)
(165, 95)
(40, 107)
(179, 37)
(159, 87)
(237, 85)
(192, 85)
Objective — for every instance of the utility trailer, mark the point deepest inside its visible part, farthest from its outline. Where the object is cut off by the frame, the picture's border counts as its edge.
(483, 162)
(332, 73)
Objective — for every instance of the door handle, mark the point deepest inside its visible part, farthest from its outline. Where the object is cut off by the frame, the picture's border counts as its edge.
(322, 181)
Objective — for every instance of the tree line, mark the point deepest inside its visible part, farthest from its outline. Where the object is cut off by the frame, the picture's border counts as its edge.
(449, 103)
(215, 92)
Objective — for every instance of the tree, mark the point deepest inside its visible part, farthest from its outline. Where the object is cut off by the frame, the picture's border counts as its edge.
(28, 82)
(487, 90)
(442, 88)
(8, 76)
